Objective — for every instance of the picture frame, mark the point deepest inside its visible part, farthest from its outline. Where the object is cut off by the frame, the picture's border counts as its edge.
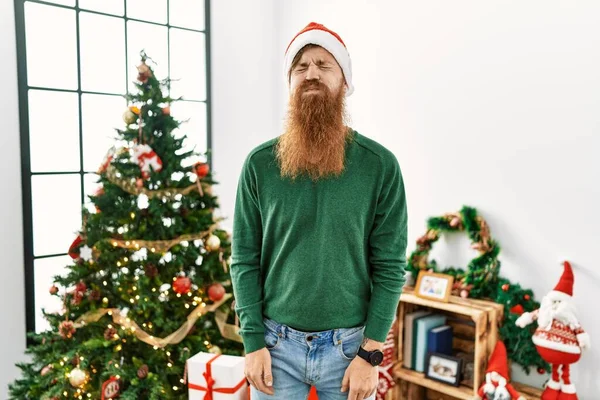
(434, 286)
(443, 368)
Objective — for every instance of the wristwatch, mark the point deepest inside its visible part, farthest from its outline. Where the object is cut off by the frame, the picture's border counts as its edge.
(374, 357)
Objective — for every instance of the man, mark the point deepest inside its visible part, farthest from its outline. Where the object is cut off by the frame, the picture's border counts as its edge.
(319, 239)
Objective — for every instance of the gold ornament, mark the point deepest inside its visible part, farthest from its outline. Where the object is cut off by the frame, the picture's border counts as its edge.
(212, 243)
(77, 377)
(129, 117)
(214, 349)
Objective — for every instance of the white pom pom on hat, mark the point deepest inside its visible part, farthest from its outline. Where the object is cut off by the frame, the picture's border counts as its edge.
(315, 33)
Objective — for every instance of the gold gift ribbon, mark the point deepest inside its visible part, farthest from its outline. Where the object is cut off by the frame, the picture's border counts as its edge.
(227, 330)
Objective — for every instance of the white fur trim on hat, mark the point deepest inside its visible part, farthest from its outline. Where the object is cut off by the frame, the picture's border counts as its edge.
(327, 41)
(558, 296)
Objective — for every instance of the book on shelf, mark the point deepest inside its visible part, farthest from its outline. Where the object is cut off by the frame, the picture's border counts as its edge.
(439, 340)
(421, 330)
(408, 345)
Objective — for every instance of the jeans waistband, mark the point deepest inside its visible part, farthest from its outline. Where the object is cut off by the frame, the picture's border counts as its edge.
(332, 335)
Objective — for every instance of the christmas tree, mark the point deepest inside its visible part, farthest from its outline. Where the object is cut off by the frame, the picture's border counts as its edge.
(149, 286)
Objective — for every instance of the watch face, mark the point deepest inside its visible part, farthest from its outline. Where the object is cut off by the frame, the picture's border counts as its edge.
(376, 357)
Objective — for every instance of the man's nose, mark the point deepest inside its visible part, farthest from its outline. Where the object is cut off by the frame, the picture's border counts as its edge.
(312, 73)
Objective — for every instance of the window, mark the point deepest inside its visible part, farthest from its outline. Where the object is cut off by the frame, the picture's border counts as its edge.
(76, 60)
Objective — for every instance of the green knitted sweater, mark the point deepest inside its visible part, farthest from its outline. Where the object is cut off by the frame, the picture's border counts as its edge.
(319, 255)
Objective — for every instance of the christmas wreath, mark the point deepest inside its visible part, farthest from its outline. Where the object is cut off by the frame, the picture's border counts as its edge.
(481, 279)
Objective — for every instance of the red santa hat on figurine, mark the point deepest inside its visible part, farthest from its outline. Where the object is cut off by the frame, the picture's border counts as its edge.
(559, 338)
(318, 34)
(497, 386)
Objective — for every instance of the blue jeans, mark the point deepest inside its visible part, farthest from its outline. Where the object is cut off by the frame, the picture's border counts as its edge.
(300, 360)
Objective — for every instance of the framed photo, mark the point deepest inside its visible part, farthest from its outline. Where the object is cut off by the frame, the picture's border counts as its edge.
(443, 368)
(434, 286)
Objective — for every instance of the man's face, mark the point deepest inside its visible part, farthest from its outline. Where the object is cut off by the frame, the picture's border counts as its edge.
(317, 64)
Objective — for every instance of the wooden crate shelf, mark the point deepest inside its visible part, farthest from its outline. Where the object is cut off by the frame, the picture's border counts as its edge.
(418, 378)
(486, 317)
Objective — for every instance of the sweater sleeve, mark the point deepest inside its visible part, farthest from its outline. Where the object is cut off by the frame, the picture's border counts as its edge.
(245, 260)
(387, 252)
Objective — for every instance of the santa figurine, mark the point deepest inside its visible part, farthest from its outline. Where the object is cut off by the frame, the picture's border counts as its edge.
(496, 386)
(147, 159)
(559, 338)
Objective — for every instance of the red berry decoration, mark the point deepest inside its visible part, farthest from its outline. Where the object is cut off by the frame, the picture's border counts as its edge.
(518, 309)
(201, 169)
(505, 287)
(216, 291)
(541, 371)
(527, 297)
(182, 285)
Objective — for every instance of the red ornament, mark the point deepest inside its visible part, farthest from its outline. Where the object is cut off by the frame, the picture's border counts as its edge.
(505, 287)
(518, 309)
(541, 371)
(182, 285)
(77, 297)
(53, 289)
(216, 291)
(201, 169)
(80, 287)
(166, 110)
(527, 297)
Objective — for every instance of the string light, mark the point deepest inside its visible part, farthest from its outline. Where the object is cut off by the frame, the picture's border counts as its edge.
(105, 283)
(118, 263)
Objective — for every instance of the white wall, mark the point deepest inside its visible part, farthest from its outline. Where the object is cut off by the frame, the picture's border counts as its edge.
(245, 100)
(12, 294)
(491, 104)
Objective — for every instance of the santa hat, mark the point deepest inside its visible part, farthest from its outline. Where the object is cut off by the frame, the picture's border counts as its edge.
(564, 288)
(499, 361)
(318, 34)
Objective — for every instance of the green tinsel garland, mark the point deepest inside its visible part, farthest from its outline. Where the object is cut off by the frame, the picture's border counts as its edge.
(481, 280)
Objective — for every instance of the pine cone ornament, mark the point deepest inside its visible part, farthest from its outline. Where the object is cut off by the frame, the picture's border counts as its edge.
(142, 372)
(94, 295)
(150, 270)
(109, 333)
(66, 329)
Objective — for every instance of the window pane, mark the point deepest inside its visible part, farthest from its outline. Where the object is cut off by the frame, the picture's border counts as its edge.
(106, 6)
(53, 131)
(56, 205)
(63, 2)
(51, 51)
(152, 39)
(188, 64)
(90, 186)
(148, 10)
(194, 129)
(102, 53)
(44, 271)
(101, 115)
(187, 13)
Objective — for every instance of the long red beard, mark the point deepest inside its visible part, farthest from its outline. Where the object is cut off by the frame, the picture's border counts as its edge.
(315, 135)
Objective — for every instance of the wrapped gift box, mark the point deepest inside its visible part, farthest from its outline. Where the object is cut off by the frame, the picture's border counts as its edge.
(216, 377)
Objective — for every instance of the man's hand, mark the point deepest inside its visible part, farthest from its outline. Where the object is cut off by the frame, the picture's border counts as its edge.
(362, 378)
(258, 370)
